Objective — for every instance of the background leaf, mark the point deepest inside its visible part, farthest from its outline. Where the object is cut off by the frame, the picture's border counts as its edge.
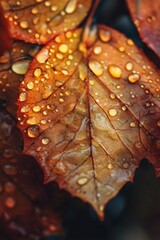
(39, 21)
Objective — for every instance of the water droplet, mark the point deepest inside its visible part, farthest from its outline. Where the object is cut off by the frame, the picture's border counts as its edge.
(33, 131)
(82, 72)
(96, 67)
(97, 50)
(9, 187)
(24, 24)
(112, 96)
(91, 82)
(59, 55)
(65, 72)
(34, 10)
(130, 42)
(32, 121)
(138, 145)
(133, 78)
(82, 181)
(30, 85)
(45, 141)
(36, 108)
(42, 56)
(101, 208)
(9, 169)
(20, 67)
(63, 48)
(37, 72)
(71, 6)
(132, 124)
(104, 35)
(10, 202)
(22, 96)
(112, 112)
(115, 71)
(125, 165)
(110, 166)
(129, 66)
(25, 109)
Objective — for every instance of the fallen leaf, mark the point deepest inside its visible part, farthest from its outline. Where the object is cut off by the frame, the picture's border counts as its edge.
(4, 34)
(145, 14)
(13, 65)
(89, 112)
(38, 21)
(28, 208)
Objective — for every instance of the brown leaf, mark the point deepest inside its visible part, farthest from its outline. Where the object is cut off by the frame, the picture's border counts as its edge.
(39, 21)
(13, 65)
(28, 208)
(145, 14)
(4, 34)
(89, 112)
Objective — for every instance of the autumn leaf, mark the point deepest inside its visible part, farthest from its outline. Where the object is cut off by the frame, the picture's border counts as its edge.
(13, 65)
(89, 112)
(4, 34)
(145, 14)
(28, 208)
(38, 21)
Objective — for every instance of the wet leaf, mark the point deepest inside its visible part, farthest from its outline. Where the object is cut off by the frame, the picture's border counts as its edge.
(89, 112)
(28, 208)
(145, 14)
(13, 65)
(38, 21)
(4, 34)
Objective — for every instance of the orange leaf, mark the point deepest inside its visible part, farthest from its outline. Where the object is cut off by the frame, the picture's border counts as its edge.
(13, 66)
(39, 21)
(145, 14)
(89, 112)
(26, 205)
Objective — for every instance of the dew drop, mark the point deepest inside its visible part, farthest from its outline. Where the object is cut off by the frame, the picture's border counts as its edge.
(112, 112)
(10, 202)
(9, 187)
(96, 67)
(25, 109)
(82, 181)
(125, 165)
(115, 71)
(33, 131)
(42, 56)
(59, 55)
(110, 166)
(34, 10)
(97, 50)
(32, 120)
(24, 24)
(30, 85)
(63, 48)
(82, 72)
(112, 96)
(22, 97)
(45, 141)
(130, 42)
(37, 72)
(71, 6)
(133, 78)
(104, 35)
(129, 66)
(132, 124)
(20, 67)
(9, 170)
(36, 108)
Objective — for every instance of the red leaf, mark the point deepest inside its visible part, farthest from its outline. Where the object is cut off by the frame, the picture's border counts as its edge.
(13, 66)
(39, 21)
(89, 112)
(4, 34)
(29, 209)
(145, 14)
